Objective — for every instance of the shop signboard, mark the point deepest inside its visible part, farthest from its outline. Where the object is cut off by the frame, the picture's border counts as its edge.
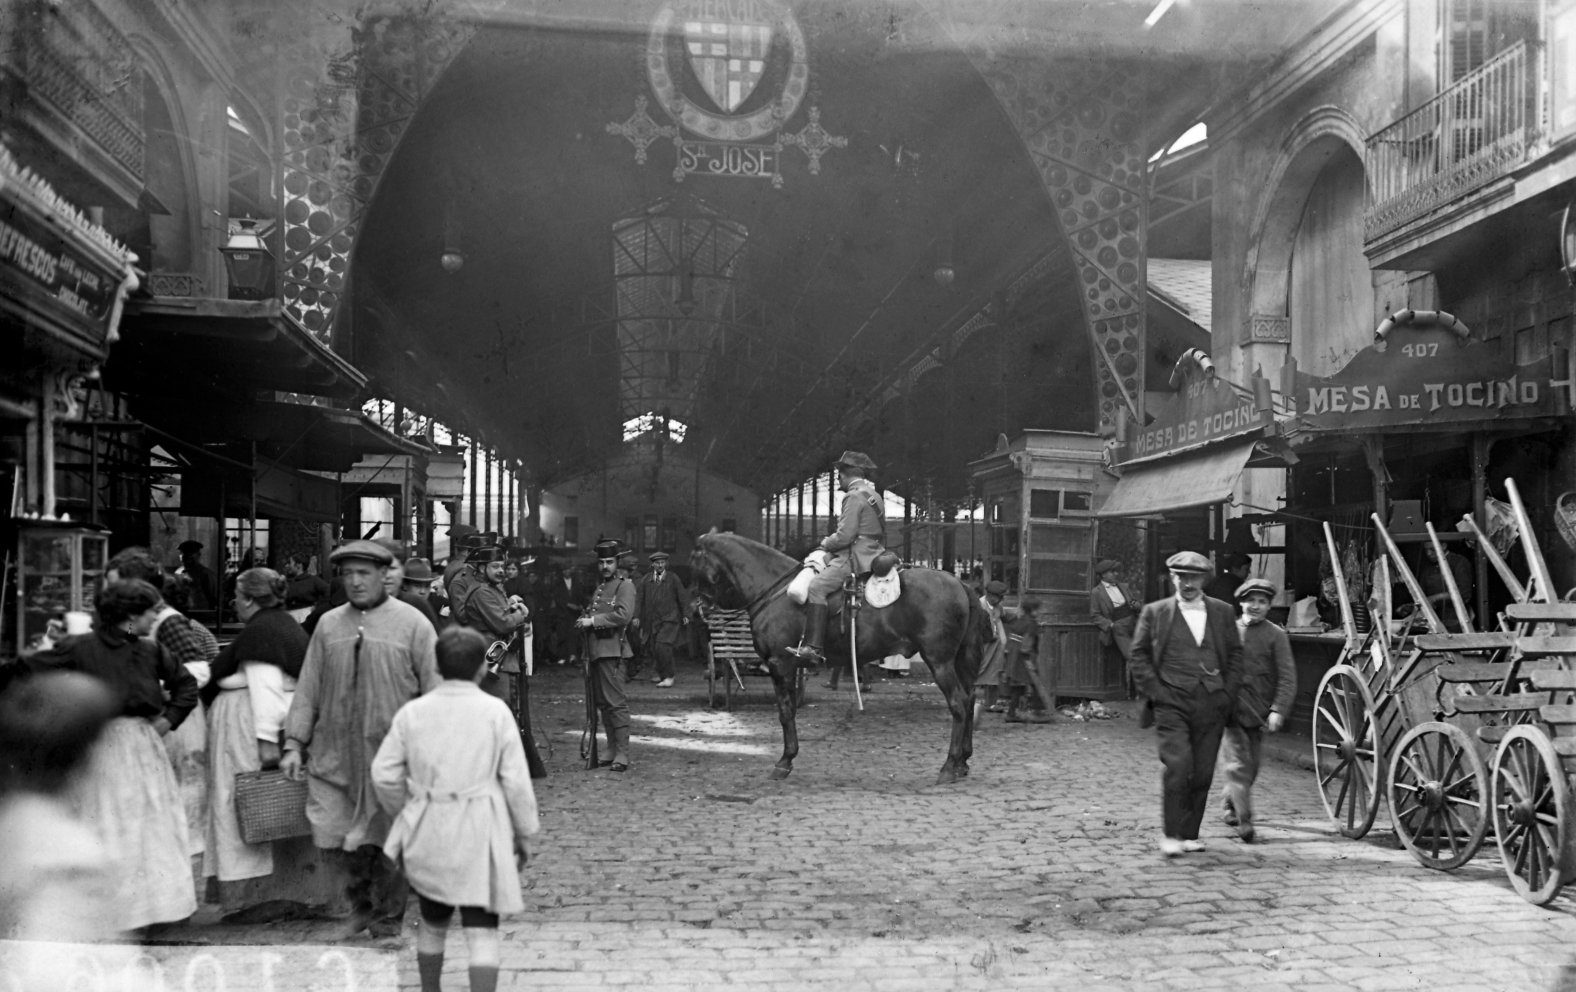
(1206, 410)
(56, 271)
(1430, 376)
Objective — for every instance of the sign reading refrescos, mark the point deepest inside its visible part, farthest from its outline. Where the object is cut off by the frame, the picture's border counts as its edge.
(58, 272)
(1431, 376)
(735, 73)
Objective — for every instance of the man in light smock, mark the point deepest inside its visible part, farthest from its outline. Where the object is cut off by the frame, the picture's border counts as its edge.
(366, 659)
(851, 549)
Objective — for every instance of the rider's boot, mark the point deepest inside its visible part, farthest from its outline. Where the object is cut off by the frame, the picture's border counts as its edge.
(809, 649)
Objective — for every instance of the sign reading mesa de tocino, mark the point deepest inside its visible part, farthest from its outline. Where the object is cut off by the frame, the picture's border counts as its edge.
(1430, 376)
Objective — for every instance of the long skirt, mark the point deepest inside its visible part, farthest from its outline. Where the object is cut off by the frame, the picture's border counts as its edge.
(128, 796)
(252, 874)
(187, 746)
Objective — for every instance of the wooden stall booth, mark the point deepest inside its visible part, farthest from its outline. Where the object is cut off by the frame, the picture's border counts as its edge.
(1420, 429)
(1041, 491)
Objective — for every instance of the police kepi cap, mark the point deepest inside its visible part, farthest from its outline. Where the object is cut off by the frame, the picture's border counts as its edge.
(485, 556)
(1105, 565)
(857, 459)
(609, 548)
(362, 550)
(1251, 586)
(1189, 561)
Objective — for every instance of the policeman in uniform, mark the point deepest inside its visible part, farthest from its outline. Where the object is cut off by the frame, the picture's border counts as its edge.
(611, 609)
(851, 549)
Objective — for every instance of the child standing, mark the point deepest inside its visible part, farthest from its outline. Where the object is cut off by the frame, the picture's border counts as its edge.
(1269, 684)
(452, 772)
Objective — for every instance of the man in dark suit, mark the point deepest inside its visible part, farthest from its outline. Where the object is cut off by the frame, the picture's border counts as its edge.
(1187, 661)
(1114, 609)
(663, 606)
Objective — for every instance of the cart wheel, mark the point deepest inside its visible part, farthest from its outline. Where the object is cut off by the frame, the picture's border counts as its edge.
(1438, 791)
(1346, 750)
(1531, 813)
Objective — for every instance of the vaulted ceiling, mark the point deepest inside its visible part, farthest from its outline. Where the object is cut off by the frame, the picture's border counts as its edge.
(770, 320)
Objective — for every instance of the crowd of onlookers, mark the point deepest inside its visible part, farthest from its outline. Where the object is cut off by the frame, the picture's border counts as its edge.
(122, 746)
(127, 740)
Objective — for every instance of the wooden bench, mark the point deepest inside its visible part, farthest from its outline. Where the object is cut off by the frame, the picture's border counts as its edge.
(730, 656)
(730, 653)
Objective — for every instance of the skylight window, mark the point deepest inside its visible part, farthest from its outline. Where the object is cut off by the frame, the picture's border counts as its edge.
(1192, 136)
(657, 424)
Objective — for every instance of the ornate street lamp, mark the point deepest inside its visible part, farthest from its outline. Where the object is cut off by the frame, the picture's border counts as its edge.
(248, 263)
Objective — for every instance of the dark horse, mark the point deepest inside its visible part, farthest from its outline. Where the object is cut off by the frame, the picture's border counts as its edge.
(936, 616)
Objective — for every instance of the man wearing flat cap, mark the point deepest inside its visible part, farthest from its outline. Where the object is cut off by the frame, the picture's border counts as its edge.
(1114, 608)
(1269, 685)
(501, 617)
(662, 608)
(366, 659)
(604, 626)
(851, 548)
(1187, 662)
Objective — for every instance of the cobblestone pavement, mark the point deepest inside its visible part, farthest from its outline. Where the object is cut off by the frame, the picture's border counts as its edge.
(695, 871)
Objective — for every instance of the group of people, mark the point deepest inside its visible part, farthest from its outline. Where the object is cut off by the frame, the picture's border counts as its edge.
(437, 792)
(1213, 683)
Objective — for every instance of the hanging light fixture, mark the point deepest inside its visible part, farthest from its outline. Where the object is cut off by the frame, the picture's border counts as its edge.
(944, 273)
(248, 264)
(452, 259)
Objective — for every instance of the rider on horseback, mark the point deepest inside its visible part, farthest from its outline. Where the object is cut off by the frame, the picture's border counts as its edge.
(850, 550)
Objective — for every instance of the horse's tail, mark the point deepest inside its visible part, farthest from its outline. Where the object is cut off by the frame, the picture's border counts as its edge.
(972, 650)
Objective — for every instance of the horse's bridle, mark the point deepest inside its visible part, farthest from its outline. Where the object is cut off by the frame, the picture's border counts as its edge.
(756, 602)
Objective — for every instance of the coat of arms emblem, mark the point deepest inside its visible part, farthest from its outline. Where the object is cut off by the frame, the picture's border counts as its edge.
(732, 73)
(728, 57)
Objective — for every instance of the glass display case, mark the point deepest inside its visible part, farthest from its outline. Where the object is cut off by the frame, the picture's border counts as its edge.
(58, 568)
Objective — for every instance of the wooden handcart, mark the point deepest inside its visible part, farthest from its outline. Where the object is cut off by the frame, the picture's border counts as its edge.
(1462, 731)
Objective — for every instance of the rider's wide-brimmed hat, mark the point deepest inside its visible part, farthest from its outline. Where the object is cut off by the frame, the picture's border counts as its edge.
(857, 459)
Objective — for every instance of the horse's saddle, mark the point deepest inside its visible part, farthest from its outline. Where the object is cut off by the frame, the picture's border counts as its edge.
(883, 587)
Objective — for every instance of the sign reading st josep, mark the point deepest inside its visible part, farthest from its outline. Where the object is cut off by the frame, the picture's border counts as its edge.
(1430, 376)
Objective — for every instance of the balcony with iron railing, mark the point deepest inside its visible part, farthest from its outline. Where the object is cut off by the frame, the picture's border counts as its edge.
(78, 76)
(1475, 132)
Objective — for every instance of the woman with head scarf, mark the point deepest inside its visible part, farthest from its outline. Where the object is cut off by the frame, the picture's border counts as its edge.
(127, 790)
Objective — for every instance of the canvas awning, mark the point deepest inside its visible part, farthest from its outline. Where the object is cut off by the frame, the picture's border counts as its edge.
(1173, 484)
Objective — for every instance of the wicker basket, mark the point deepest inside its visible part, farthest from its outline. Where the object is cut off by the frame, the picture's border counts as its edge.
(270, 807)
(1565, 517)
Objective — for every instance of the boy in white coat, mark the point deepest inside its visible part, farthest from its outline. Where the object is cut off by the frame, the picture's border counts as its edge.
(452, 772)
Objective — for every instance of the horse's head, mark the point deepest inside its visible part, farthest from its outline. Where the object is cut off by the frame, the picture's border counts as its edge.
(713, 585)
